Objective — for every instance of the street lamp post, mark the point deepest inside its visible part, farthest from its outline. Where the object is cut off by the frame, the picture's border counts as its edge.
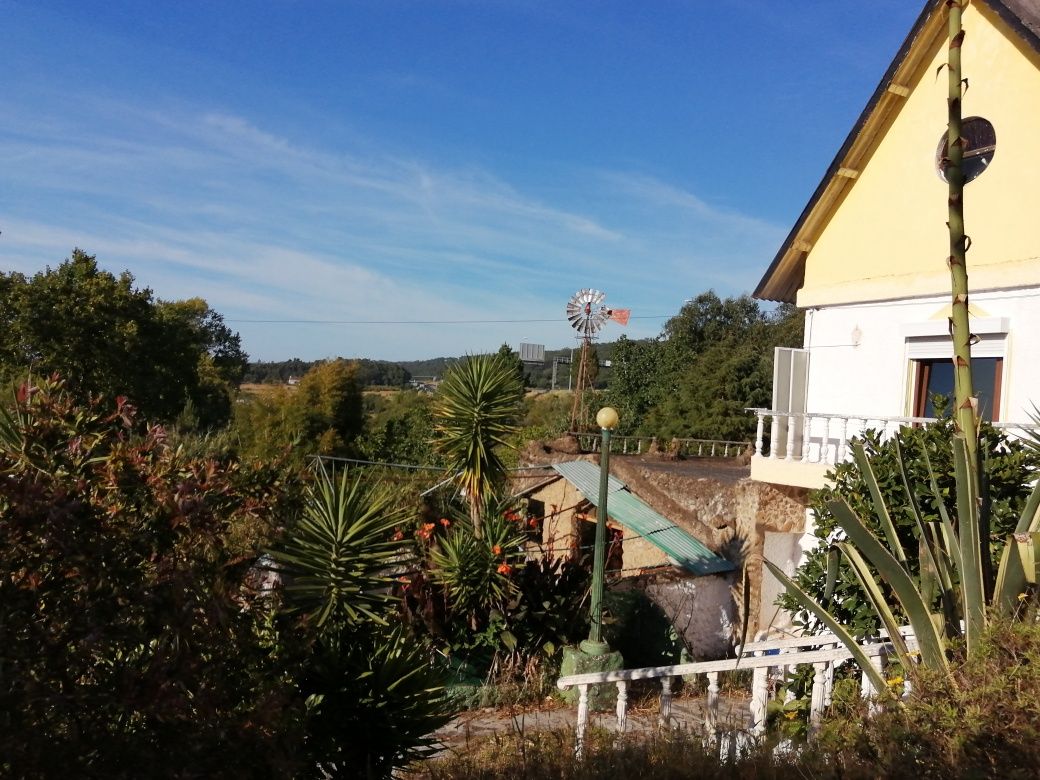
(607, 419)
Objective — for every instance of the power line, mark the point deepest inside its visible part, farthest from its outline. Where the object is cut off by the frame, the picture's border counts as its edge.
(425, 322)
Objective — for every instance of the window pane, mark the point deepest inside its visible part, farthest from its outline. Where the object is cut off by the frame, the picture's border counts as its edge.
(940, 382)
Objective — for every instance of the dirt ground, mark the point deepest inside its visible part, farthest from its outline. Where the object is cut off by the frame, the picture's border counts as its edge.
(475, 726)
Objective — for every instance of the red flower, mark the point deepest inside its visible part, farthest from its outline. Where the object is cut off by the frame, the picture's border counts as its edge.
(496, 550)
(505, 568)
(398, 535)
(445, 522)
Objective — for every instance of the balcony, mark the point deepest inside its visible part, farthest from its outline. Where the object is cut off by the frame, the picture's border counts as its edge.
(798, 449)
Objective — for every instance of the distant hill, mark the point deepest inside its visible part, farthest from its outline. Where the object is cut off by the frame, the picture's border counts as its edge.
(398, 374)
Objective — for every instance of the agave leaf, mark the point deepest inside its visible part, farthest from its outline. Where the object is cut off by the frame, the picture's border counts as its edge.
(809, 603)
(877, 599)
(1029, 520)
(951, 542)
(917, 612)
(1018, 569)
(973, 590)
(833, 562)
(880, 508)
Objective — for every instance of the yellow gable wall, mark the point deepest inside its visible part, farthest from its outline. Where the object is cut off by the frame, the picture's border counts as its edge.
(888, 238)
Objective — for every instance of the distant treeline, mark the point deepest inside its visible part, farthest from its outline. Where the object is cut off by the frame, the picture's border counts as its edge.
(535, 375)
(369, 372)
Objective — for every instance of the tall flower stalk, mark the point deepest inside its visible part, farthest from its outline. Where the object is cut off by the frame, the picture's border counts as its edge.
(966, 405)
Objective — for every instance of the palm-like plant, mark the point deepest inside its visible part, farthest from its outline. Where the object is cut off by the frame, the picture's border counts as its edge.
(373, 696)
(341, 553)
(475, 412)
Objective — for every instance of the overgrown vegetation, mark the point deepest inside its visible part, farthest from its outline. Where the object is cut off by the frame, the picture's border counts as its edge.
(141, 634)
(712, 361)
(828, 577)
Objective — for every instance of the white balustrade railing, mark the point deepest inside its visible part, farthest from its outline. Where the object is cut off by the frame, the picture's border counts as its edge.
(767, 659)
(637, 445)
(818, 437)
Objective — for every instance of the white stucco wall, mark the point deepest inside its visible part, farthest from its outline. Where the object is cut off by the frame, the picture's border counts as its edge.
(702, 609)
(874, 377)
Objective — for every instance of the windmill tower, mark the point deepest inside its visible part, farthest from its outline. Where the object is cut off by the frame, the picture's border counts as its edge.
(587, 315)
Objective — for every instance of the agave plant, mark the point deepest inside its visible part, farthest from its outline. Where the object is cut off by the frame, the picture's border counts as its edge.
(475, 412)
(952, 572)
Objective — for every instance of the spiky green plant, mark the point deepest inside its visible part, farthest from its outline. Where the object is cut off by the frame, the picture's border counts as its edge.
(476, 410)
(476, 572)
(952, 573)
(341, 553)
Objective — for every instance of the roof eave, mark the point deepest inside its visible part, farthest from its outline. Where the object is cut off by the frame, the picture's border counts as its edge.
(782, 286)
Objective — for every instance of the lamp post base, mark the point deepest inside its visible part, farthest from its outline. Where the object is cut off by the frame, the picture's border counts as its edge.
(586, 658)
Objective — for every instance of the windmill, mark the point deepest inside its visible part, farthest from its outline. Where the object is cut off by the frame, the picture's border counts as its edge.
(587, 315)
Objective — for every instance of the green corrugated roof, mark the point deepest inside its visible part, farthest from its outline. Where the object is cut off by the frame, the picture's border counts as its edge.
(632, 512)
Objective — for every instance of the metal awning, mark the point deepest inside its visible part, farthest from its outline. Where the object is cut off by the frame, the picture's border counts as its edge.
(629, 510)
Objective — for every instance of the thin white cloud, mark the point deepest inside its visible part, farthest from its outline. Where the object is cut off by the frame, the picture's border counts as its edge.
(208, 203)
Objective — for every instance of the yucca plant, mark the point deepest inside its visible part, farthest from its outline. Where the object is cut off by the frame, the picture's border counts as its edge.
(475, 412)
(373, 694)
(341, 555)
(476, 573)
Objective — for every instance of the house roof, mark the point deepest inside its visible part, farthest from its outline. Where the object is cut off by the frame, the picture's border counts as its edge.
(786, 273)
(635, 514)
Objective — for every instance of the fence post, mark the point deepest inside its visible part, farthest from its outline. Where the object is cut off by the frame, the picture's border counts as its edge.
(759, 699)
(622, 706)
(711, 713)
(583, 720)
(666, 700)
(819, 686)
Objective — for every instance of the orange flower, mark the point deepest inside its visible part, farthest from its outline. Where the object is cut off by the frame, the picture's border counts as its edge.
(445, 522)
(496, 550)
(398, 535)
(426, 531)
(505, 568)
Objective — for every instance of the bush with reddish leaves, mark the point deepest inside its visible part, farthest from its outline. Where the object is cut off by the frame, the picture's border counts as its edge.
(130, 643)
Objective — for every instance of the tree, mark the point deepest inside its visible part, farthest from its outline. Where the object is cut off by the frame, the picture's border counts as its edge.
(713, 360)
(324, 415)
(374, 696)
(476, 411)
(513, 358)
(107, 336)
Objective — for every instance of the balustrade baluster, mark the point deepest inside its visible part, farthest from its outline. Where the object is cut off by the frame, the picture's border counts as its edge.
(789, 455)
(759, 430)
(711, 712)
(759, 698)
(622, 706)
(774, 434)
(818, 695)
(806, 436)
(666, 701)
(843, 441)
(583, 720)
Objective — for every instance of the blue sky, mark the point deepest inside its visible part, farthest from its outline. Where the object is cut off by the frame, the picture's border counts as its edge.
(425, 160)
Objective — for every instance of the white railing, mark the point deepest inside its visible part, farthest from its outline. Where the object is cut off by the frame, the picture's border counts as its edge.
(637, 445)
(818, 437)
(767, 659)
